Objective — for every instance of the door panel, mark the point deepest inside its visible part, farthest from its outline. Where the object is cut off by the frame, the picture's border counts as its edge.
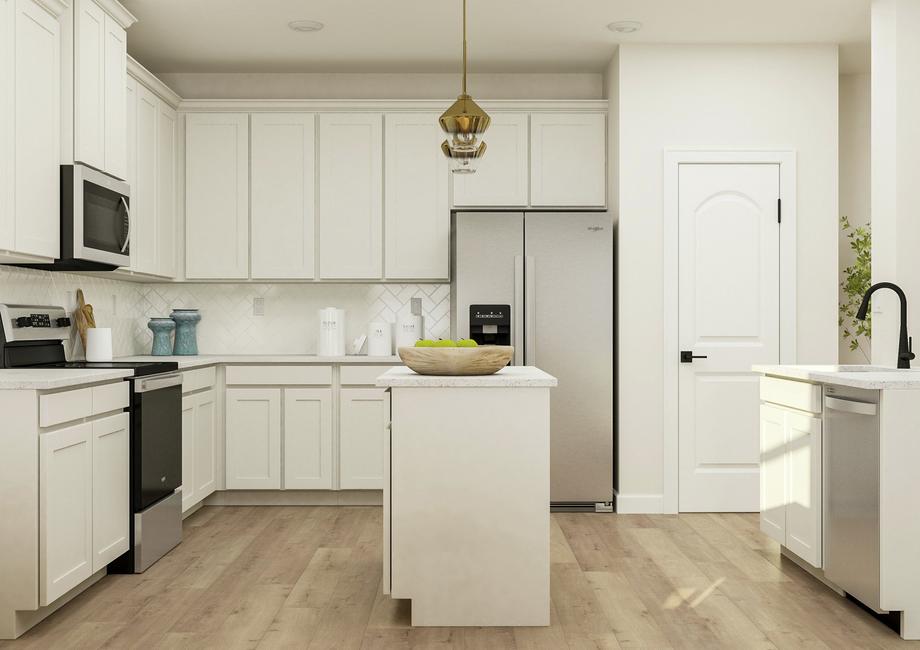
(205, 445)
(728, 312)
(773, 473)
(362, 425)
(111, 488)
(188, 452)
(308, 438)
(502, 174)
(565, 249)
(254, 438)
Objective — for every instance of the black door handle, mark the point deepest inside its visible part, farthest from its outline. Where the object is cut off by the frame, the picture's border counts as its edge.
(687, 356)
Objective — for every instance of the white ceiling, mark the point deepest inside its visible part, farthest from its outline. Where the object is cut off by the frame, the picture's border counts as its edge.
(423, 35)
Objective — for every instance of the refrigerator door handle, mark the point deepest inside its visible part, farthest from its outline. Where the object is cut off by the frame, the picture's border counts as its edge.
(517, 311)
(530, 308)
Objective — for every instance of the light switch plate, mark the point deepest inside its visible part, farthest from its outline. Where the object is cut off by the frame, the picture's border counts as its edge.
(258, 306)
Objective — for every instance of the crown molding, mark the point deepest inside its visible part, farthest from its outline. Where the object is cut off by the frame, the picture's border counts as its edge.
(386, 105)
(152, 82)
(117, 11)
(55, 7)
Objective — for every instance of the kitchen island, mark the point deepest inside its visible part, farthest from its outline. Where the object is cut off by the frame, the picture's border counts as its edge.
(840, 448)
(466, 497)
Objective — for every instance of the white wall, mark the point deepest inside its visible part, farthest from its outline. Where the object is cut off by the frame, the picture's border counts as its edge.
(714, 97)
(383, 85)
(855, 191)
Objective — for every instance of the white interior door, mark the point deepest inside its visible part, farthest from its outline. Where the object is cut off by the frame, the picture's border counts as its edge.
(729, 319)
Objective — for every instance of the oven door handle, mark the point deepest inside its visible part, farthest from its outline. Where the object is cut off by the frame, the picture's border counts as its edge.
(128, 236)
(156, 383)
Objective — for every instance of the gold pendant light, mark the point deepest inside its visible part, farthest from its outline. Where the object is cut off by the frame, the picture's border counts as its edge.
(464, 122)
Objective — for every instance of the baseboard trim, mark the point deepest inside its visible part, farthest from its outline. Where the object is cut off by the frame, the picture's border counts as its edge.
(295, 498)
(13, 624)
(639, 504)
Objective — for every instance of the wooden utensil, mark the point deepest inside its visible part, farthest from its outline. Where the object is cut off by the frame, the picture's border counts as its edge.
(79, 317)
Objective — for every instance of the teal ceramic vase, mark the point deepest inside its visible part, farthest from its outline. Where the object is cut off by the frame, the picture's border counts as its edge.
(186, 331)
(162, 341)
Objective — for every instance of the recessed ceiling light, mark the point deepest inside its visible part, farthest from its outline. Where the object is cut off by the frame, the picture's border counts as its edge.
(625, 26)
(305, 25)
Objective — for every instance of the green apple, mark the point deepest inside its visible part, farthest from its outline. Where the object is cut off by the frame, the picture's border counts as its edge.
(467, 343)
(445, 343)
(424, 343)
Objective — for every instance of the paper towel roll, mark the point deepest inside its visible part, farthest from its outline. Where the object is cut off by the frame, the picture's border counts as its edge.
(99, 344)
(379, 339)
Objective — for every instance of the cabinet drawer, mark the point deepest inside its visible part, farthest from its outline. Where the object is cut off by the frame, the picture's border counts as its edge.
(279, 375)
(362, 375)
(198, 379)
(794, 394)
(64, 407)
(111, 397)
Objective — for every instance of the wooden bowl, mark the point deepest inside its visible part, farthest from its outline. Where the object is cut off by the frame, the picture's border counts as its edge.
(483, 360)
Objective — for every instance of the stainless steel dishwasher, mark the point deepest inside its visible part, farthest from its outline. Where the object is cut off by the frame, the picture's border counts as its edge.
(851, 492)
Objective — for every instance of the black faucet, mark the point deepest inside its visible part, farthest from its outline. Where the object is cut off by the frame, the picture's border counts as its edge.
(905, 343)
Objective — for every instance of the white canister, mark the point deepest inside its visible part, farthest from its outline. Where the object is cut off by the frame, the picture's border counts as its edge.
(99, 344)
(409, 329)
(379, 339)
(331, 339)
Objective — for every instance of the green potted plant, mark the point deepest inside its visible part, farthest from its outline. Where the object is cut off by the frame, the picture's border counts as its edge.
(857, 278)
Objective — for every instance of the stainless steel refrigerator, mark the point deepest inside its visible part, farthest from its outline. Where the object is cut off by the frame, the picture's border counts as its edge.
(555, 271)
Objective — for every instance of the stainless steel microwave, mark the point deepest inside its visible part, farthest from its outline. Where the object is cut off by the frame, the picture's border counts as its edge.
(95, 220)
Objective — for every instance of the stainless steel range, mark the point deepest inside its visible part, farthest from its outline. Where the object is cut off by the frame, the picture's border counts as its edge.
(33, 337)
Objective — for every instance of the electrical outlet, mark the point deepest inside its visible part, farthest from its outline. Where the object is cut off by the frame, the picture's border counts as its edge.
(258, 306)
(114, 305)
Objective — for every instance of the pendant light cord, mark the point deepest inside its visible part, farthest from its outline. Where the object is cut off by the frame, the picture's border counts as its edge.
(464, 47)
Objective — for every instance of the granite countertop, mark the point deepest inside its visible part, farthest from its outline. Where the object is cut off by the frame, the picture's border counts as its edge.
(511, 376)
(199, 361)
(869, 377)
(52, 378)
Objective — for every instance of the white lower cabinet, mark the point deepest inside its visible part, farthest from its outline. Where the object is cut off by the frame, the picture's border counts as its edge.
(363, 417)
(253, 438)
(111, 488)
(199, 447)
(790, 479)
(308, 438)
(65, 510)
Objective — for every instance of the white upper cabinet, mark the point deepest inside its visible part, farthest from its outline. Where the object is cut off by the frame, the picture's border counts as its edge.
(152, 172)
(568, 154)
(99, 58)
(217, 196)
(417, 210)
(166, 202)
(283, 198)
(351, 195)
(30, 56)
(501, 177)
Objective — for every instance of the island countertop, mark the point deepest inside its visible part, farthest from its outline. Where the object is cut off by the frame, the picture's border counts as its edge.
(869, 377)
(509, 377)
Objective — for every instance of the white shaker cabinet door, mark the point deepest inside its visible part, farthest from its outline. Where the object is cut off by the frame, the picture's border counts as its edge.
(166, 171)
(773, 472)
(206, 451)
(111, 488)
(283, 196)
(803, 486)
(501, 175)
(308, 438)
(363, 417)
(188, 451)
(417, 211)
(37, 144)
(115, 73)
(217, 196)
(351, 195)
(143, 189)
(65, 510)
(568, 160)
(254, 438)
(7, 125)
(89, 85)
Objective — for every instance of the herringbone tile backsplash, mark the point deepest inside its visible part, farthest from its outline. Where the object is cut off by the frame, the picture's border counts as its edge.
(228, 325)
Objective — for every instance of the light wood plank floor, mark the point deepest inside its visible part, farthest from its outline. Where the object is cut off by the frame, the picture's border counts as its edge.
(310, 577)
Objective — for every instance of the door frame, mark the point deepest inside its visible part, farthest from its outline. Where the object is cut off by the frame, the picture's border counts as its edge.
(673, 158)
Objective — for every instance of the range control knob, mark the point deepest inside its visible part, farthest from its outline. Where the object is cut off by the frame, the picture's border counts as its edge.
(62, 322)
(23, 321)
